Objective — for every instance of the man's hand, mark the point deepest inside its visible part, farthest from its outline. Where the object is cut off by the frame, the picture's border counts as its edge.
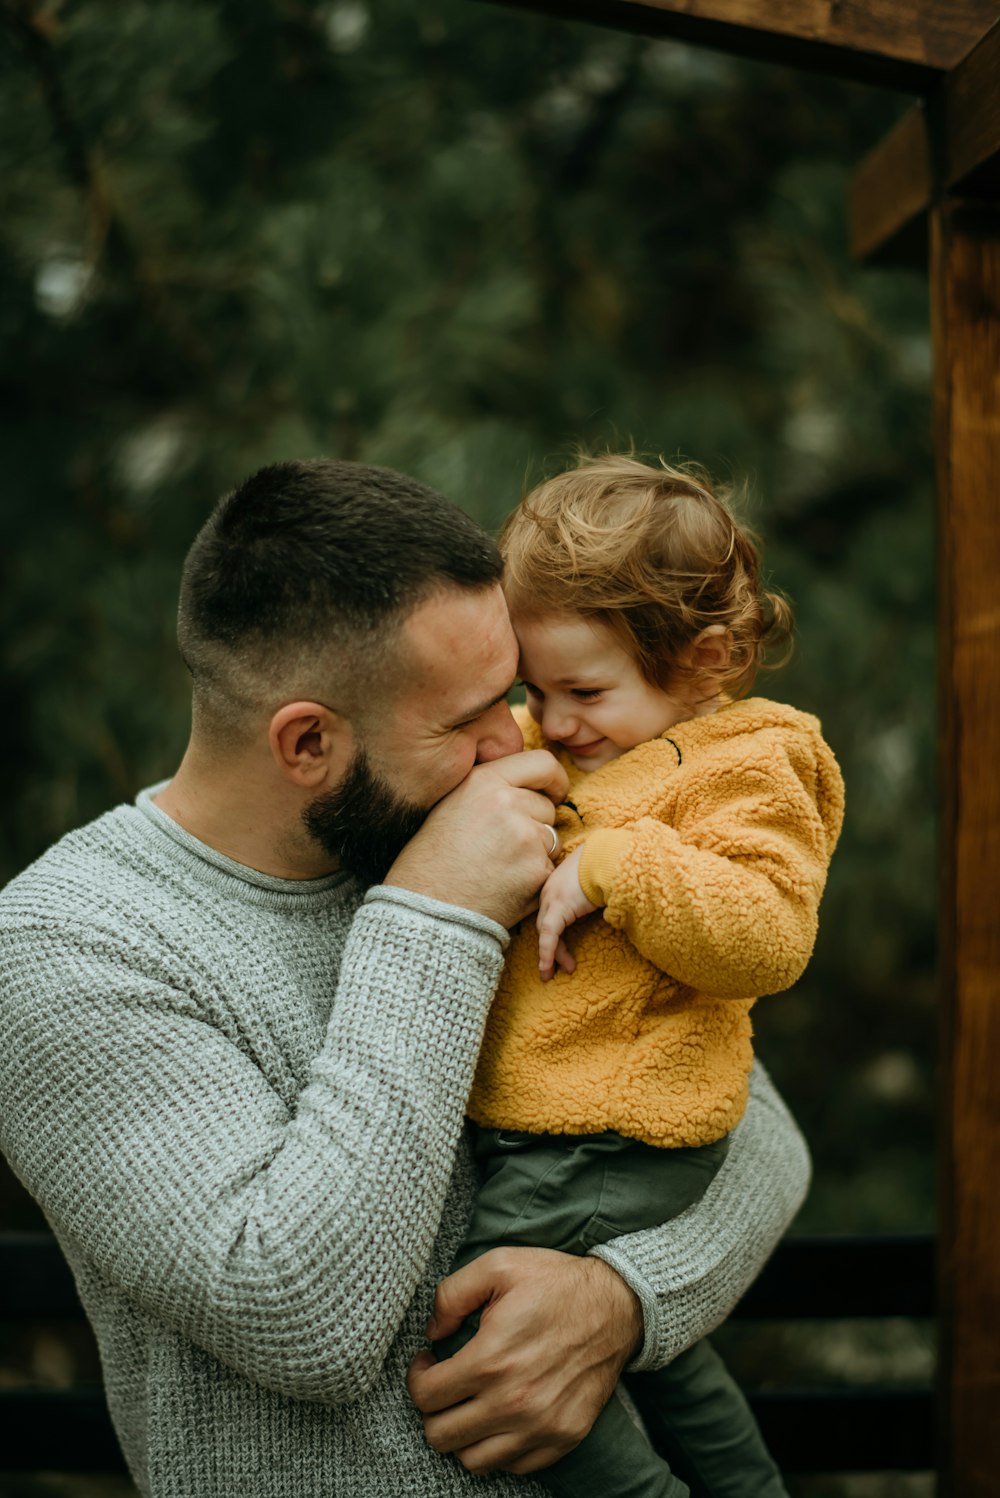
(555, 1333)
(561, 902)
(487, 845)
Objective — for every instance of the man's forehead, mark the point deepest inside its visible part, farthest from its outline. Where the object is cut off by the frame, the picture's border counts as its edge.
(460, 618)
(460, 645)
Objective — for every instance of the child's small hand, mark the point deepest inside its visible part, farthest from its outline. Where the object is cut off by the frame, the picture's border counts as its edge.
(561, 902)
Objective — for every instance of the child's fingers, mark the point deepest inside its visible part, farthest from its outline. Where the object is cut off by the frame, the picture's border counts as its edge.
(548, 947)
(564, 957)
(553, 919)
(550, 924)
(561, 902)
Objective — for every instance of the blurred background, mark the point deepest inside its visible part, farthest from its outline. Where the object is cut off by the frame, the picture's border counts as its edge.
(461, 241)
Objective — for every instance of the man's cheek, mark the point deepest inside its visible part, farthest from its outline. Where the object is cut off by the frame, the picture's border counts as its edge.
(460, 765)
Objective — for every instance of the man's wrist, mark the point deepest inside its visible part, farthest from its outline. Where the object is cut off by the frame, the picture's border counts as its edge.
(443, 910)
(645, 1309)
(624, 1308)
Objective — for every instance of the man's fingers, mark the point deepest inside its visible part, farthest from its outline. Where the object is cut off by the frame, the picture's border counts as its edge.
(555, 1334)
(535, 1459)
(536, 770)
(439, 1386)
(503, 1453)
(533, 804)
(461, 1293)
(421, 1363)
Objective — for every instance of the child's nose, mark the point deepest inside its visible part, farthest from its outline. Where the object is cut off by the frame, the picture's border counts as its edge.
(558, 723)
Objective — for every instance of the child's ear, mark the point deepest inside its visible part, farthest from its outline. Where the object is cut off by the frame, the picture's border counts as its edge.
(710, 651)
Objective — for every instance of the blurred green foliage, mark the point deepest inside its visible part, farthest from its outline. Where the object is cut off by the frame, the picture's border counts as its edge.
(460, 240)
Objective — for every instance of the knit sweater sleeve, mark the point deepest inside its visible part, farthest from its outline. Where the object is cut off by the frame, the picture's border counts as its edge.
(726, 900)
(690, 1272)
(287, 1242)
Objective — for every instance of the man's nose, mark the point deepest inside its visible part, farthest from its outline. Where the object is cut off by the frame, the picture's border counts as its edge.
(502, 736)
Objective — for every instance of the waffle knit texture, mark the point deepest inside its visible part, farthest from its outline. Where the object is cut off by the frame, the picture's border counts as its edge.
(708, 851)
(239, 1101)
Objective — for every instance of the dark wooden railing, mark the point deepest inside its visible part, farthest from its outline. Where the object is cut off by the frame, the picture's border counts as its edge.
(839, 1429)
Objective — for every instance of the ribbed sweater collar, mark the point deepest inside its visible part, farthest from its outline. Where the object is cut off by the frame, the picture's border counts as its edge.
(229, 869)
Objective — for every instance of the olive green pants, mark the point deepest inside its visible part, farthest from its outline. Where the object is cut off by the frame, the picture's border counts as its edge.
(572, 1192)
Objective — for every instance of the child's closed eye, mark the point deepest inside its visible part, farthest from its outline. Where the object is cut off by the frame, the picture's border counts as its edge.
(582, 694)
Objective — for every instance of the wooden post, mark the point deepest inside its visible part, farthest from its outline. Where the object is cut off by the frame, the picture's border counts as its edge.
(965, 302)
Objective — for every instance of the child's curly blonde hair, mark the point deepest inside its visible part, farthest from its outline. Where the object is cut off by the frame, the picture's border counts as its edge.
(653, 553)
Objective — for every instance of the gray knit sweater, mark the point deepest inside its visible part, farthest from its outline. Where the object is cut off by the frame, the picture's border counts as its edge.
(239, 1101)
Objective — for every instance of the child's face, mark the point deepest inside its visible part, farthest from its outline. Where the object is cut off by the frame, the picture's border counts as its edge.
(586, 692)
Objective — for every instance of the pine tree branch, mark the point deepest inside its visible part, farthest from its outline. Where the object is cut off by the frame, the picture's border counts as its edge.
(37, 28)
(579, 164)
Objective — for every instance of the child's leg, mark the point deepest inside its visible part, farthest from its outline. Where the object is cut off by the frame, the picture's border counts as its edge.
(698, 1418)
(573, 1191)
(570, 1194)
(614, 1460)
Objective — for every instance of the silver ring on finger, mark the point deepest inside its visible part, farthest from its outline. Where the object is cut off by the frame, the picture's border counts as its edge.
(554, 849)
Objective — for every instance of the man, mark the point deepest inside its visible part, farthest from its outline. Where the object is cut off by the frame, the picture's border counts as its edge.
(235, 1080)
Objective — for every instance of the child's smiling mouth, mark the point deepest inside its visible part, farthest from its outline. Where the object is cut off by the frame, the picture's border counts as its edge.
(584, 749)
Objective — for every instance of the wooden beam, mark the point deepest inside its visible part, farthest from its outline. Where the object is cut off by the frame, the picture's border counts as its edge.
(965, 302)
(951, 144)
(901, 44)
(891, 191)
(972, 117)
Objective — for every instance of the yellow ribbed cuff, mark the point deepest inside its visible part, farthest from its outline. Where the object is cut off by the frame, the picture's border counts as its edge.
(602, 855)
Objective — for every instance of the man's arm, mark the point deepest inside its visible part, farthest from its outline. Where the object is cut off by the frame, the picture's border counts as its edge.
(554, 1338)
(555, 1333)
(286, 1234)
(285, 1238)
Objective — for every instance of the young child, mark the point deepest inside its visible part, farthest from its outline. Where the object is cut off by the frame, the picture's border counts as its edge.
(697, 833)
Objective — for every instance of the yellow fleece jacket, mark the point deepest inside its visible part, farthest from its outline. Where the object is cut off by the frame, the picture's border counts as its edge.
(708, 851)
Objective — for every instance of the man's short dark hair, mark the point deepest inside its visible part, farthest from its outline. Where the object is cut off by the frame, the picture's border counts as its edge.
(311, 561)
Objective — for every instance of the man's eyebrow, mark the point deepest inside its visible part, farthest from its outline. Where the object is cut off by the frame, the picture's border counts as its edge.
(477, 712)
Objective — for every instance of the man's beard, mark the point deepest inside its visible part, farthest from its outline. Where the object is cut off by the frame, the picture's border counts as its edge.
(362, 822)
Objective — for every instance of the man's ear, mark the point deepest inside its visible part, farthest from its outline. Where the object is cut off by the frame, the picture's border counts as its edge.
(311, 744)
(709, 652)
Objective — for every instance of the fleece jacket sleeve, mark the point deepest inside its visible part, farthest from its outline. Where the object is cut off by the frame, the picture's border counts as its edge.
(727, 899)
